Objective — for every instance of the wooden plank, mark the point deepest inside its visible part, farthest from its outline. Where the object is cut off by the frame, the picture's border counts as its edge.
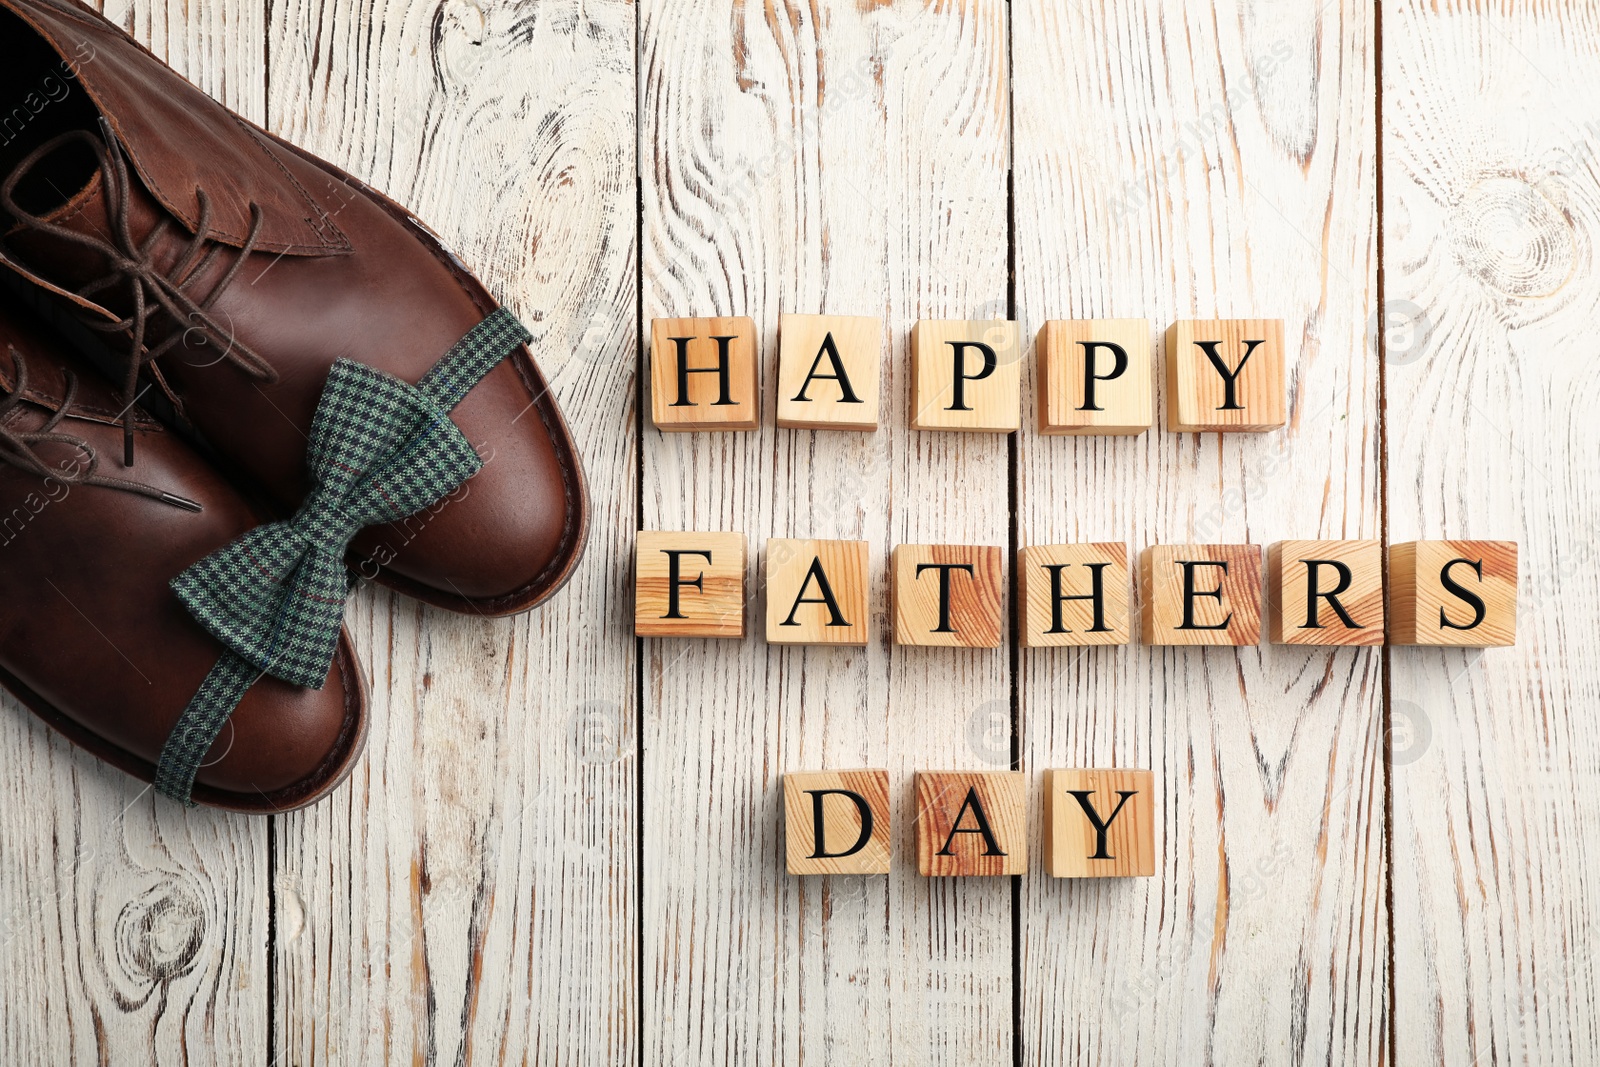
(131, 929)
(471, 894)
(1491, 212)
(843, 160)
(1182, 161)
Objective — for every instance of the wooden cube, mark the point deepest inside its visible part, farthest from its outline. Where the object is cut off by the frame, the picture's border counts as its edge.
(1099, 824)
(1200, 594)
(688, 584)
(817, 592)
(703, 374)
(1226, 375)
(1325, 592)
(1074, 594)
(966, 375)
(947, 595)
(828, 368)
(1459, 594)
(1096, 376)
(972, 822)
(837, 822)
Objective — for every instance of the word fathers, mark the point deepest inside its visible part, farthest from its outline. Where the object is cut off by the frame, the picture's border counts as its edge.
(1444, 593)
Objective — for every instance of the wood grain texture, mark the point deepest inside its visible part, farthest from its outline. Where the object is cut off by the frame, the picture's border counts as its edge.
(948, 595)
(1226, 376)
(1491, 218)
(703, 374)
(1325, 592)
(1099, 823)
(817, 592)
(981, 393)
(1095, 376)
(1200, 595)
(1200, 160)
(971, 823)
(703, 594)
(132, 930)
(828, 372)
(1453, 593)
(835, 159)
(855, 834)
(1074, 595)
(471, 894)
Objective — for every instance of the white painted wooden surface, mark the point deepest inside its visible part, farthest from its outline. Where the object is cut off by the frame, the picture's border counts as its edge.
(563, 846)
(846, 161)
(471, 896)
(1194, 166)
(1491, 215)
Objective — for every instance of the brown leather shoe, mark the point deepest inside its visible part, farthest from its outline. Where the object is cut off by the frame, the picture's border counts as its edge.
(234, 269)
(91, 637)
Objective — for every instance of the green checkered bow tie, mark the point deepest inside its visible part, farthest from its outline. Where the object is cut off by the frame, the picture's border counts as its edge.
(381, 450)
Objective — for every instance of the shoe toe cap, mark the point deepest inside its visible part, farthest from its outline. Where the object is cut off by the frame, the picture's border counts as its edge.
(509, 536)
(289, 741)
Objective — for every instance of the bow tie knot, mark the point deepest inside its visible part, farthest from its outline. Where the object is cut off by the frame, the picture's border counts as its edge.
(381, 450)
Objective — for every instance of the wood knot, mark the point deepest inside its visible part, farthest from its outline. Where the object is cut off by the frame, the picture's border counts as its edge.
(460, 29)
(159, 934)
(1512, 238)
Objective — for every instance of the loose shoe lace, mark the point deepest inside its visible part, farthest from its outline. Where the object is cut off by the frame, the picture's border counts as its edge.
(132, 264)
(20, 448)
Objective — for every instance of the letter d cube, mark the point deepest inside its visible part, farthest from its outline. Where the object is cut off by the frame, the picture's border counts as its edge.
(837, 822)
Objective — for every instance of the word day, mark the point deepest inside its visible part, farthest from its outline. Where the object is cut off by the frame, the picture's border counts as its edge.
(1440, 593)
(1096, 376)
(1097, 823)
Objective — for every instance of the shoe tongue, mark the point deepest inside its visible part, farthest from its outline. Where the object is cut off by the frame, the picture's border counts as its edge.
(182, 142)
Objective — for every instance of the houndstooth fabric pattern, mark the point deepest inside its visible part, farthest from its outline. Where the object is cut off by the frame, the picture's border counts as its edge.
(474, 356)
(381, 450)
(201, 721)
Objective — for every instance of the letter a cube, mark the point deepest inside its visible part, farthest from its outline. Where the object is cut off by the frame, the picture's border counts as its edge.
(817, 592)
(971, 822)
(828, 368)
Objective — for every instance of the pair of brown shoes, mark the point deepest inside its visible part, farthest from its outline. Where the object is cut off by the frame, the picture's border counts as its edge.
(232, 377)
